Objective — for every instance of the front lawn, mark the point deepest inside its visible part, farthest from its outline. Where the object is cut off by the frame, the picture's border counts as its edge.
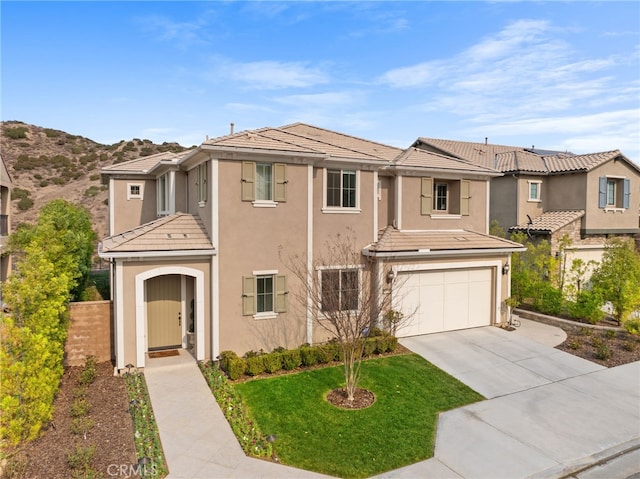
(399, 429)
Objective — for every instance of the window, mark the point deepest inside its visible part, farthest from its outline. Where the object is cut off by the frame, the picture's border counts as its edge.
(163, 195)
(134, 191)
(440, 194)
(614, 192)
(341, 189)
(264, 294)
(202, 182)
(534, 190)
(264, 184)
(339, 289)
(444, 198)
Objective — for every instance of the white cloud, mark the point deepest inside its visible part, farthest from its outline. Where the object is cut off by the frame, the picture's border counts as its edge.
(270, 75)
(320, 100)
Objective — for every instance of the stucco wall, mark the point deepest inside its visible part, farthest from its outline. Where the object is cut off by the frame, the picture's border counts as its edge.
(134, 211)
(504, 208)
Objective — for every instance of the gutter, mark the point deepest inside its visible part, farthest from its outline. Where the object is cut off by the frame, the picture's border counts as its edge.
(427, 253)
(155, 254)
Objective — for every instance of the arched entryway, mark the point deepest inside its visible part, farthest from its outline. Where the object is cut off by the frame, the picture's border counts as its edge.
(168, 299)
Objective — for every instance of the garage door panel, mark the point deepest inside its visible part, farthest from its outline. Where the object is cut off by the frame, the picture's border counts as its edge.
(444, 300)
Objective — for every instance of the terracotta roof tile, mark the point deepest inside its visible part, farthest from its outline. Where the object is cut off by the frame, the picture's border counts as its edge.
(145, 163)
(178, 232)
(550, 221)
(393, 240)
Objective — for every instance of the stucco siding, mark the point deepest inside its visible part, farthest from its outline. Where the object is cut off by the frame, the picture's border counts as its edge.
(525, 206)
(132, 212)
(503, 209)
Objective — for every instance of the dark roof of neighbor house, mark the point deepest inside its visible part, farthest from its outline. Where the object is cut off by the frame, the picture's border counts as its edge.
(177, 232)
(550, 221)
(393, 240)
(514, 159)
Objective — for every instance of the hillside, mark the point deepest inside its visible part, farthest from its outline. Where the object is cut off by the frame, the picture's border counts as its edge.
(46, 164)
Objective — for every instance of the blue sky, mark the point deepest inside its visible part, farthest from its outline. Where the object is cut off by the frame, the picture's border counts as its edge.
(557, 75)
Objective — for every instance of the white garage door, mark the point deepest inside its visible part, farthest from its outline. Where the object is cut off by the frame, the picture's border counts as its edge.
(435, 301)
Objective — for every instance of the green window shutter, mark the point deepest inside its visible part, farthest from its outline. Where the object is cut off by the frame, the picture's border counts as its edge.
(248, 181)
(248, 296)
(280, 183)
(426, 196)
(464, 197)
(281, 294)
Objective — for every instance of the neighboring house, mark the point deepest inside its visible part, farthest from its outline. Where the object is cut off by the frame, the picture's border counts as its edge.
(549, 194)
(197, 239)
(5, 222)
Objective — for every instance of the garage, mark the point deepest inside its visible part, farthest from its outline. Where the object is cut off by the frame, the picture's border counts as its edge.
(444, 300)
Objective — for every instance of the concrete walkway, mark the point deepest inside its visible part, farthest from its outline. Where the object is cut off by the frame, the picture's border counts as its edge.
(548, 414)
(197, 440)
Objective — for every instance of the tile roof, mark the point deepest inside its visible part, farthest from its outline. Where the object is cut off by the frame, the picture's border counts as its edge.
(550, 221)
(145, 163)
(417, 158)
(307, 139)
(393, 240)
(510, 159)
(177, 232)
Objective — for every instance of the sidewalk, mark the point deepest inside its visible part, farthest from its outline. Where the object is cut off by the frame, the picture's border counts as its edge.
(197, 440)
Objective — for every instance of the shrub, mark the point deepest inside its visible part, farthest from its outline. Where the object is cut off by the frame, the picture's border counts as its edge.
(610, 334)
(89, 372)
(291, 359)
(630, 346)
(81, 426)
(25, 203)
(16, 133)
(549, 300)
(50, 133)
(255, 365)
(80, 407)
(225, 358)
(81, 458)
(237, 368)
(308, 355)
(603, 351)
(91, 191)
(575, 344)
(586, 306)
(632, 326)
(369, 346)
(272, 362)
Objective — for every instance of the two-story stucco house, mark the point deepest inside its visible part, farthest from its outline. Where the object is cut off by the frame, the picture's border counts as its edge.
(5, 222)
(549, 194)
(197, 239)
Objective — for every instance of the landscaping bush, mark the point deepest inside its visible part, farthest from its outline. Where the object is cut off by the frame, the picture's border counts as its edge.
(586, 306)
(308, 355)
(291, 359)
(369, 346)
(254, 365)
(632, 325)
(549, 300)
(272, 362)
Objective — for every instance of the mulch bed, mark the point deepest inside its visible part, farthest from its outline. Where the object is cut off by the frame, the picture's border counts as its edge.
(362, 399)
(111, 434)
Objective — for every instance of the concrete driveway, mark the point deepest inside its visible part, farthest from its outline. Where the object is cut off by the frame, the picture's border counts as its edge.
(548, 413)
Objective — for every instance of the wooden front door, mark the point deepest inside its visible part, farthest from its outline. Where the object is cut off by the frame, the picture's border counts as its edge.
(164, 312)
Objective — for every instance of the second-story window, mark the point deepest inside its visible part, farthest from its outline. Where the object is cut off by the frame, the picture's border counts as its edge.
(534, 190)
(162, 185)
(440, 196)
(264, 184)
(614, 192)
(202, 182)
(341, 189)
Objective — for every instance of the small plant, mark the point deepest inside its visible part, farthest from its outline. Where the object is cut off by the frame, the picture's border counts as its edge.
(603, 351)
(630, 346)
(575, 344)
(586, 332)
(597, 342)
(80, 392)
(81, 426)
(81, 458)
(90, 371)
(610, 334)
(80, 407)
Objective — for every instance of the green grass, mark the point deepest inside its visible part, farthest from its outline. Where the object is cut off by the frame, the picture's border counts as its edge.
(399, 429)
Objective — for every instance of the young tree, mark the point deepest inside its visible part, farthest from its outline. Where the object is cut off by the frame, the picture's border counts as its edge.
(617, 278)
(340, 293)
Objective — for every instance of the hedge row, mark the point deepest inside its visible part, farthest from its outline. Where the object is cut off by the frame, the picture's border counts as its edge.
(255, 363)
